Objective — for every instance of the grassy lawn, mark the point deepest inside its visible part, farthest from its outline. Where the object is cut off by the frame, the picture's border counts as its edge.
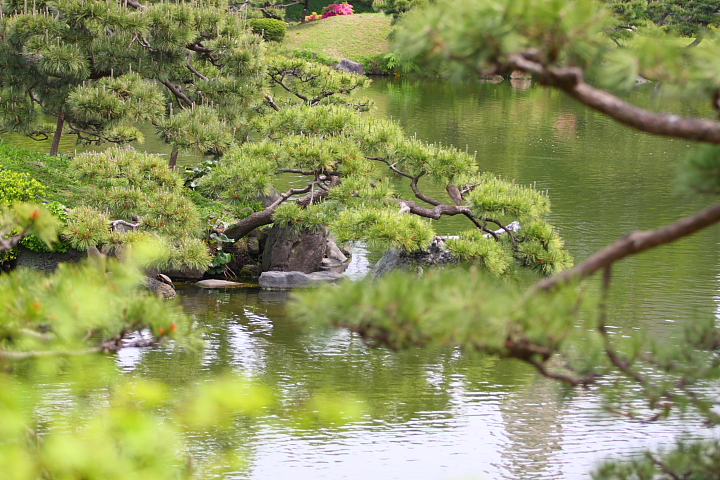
(53, 172)
(355, 37)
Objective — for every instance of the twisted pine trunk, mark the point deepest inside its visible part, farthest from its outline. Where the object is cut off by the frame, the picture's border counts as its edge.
(58, 133)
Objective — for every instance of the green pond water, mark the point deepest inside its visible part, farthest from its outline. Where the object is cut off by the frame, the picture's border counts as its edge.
(445, 414)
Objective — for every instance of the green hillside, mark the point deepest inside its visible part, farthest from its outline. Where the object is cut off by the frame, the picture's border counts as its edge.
(355, 37)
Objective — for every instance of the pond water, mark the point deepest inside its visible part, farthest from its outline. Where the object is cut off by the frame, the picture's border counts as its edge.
(444, 414)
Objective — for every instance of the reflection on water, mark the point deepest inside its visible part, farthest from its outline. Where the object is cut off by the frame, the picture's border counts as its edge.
(437, 414)
(443, 414)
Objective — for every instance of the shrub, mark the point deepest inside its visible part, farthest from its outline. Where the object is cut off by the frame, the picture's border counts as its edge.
(270, 29)
(19, 187)
(332, 10)
(86, 227)
(335, 9)
(35, 244)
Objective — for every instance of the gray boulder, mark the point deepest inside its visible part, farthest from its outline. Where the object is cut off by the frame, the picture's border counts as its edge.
(47, 261)
(294, 250)
(333, 252)
(437, 254)
(349, 66)
(160, 288)
(290, 280)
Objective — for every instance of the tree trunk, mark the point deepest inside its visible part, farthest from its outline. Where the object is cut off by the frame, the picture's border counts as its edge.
(306, 8)
(173, 158)
(58, 133)
(250, 223)
(696, 42)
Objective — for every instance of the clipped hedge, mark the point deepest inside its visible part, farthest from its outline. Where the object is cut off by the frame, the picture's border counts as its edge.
(270, 29)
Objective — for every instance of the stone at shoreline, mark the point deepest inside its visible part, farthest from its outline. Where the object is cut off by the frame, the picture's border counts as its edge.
(290, 249)
(46, 261)
(349, 66)
(333, 252)
(212, 283)
(437, 254)
(162, 289)
(189, 273)
(290, 280)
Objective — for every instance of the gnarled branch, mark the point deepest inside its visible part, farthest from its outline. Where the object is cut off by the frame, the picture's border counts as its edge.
(632, 244)
(570, 80)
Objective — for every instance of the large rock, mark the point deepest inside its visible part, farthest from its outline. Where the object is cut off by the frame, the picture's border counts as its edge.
(437, 254)
(333, 252)
(184, 273)
(350, 67)
(160, 288)
(290, 280)
(46, 261)
(294, 250)
(335, 259)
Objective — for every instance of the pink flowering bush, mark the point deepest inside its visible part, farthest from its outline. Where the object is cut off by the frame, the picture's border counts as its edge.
(332, 10)
(337, 9)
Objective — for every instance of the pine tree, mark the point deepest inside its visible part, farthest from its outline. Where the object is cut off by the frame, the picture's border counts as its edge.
(687, 18)
(101, 67)
(555, 326)
(193, 72)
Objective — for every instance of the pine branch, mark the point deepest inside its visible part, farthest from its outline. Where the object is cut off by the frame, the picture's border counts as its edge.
(263, 217)
(435, 213)
(200, 48)
(179, 95)
(269, 99)
(98, 137)
(281, 82)
(114, 224)
(632, 244)
(328, 93)
(135, 4)
(570, 80)
(315, 197)
(192, 69)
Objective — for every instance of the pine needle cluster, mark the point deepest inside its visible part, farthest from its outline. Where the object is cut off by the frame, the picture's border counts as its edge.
(137, 188)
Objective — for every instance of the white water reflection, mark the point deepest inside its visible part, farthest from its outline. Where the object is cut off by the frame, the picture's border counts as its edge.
(490, 430)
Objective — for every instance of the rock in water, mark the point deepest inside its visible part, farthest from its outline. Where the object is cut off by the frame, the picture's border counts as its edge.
(350, 67)
(437, 254)
(162, 289)
(294, 250)
(218, 284)
(290, 280)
